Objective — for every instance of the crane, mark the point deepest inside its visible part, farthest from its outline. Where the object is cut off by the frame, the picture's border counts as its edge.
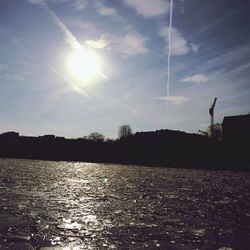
(211, 112)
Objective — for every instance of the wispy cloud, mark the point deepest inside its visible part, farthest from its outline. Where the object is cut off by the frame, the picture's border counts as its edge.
(178, 100)
(39, 2)
(224, 61)
(101, 43)
(76, 4)
(240, 68)
(77, 22)
(107, 11)
(179, 45)
(7, 74)
(198, 78)
(195, 47)
(149, 8)
(79, 4)
(36, 1)
(12, 77)
(130, 44)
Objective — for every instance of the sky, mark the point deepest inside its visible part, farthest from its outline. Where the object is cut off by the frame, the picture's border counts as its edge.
(72, 67)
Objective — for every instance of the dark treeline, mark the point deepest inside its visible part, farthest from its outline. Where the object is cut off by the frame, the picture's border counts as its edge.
(159, 148)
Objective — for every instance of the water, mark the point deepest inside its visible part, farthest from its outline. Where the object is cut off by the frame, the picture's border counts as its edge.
(59, 205)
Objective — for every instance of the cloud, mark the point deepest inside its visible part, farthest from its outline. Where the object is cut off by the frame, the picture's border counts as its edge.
(98, 44)
(107, 11)
(7, 74)
(38, 2)
(130, 44)
(178, 100)
(79, 4)
(149, 8)
(13, 77)
(239, 68)
(76, 4)
(195, 47)
(179, 45)
(198, 78)
(77, 22)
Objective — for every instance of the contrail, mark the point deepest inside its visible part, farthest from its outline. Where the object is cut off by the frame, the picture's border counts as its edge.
(169, 42)
(70, 39)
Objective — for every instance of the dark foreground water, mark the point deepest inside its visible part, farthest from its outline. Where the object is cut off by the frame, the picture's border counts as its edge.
(59, 205)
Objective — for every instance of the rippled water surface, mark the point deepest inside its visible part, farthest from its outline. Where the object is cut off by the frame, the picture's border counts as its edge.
(58, 205)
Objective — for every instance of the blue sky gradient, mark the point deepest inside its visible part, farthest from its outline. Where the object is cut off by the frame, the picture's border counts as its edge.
(210, 57)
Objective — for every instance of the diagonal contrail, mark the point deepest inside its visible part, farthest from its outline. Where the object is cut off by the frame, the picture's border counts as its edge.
(70, 39)
(169, 42)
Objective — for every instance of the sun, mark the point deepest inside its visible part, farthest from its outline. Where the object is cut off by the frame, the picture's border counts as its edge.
(84, 66)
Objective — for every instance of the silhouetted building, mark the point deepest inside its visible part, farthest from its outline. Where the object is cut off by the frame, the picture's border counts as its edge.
(28, 138)
(61, 138)
(47, 137)
(236, 128)
(9, 136)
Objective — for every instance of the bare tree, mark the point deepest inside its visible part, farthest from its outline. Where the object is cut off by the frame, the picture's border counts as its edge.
(124, 131)
(214, 131)
(96, 137)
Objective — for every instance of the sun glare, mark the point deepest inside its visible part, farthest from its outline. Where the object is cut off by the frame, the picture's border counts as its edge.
(84, 67)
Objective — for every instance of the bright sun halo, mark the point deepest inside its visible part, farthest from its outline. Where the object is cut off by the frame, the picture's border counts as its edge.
(84, 66)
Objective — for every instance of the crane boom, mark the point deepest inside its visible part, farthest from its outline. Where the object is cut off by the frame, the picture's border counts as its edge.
(211, 112)
(215, 99)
